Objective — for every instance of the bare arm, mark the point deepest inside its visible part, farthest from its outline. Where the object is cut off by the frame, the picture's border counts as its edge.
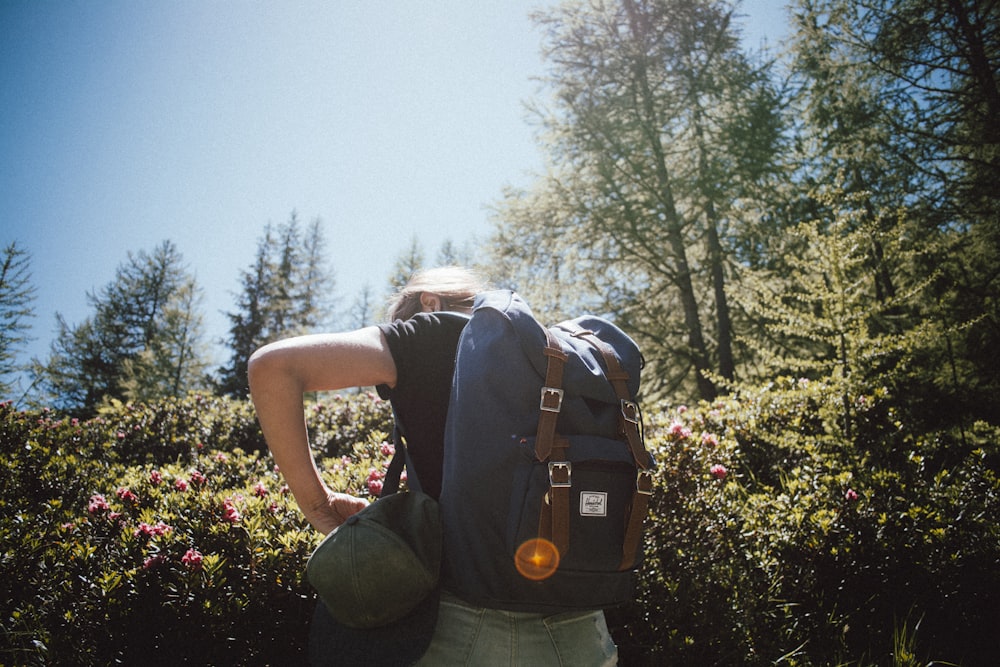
(280, 373)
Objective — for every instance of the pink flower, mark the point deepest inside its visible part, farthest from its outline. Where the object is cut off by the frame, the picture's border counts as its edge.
(155, 478)
(680, 430)
(150, 531)
(284, 490)
(375, 482)
(120, 435)
(259, 489)
(851, 495)
(718, 471)
(154, 561)
(181, 484)
(198, 478)
(709, 439)
(126, 494)
(387, 449)
(229, 511)
(97, 504)
(221, 457)
(192, 558)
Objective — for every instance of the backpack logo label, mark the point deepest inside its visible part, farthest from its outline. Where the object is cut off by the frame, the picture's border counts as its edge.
(593, 503)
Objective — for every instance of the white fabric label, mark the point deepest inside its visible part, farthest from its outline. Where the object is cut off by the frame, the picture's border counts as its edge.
(593, 503)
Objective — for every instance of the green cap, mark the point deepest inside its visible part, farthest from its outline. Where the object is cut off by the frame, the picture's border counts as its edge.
(381, 563)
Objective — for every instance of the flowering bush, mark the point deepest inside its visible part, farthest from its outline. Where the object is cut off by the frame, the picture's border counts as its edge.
(337, 424)
(773, 537)
(187, 552)
(162, 534)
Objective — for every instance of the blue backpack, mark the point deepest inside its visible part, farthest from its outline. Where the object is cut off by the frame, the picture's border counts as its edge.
(546, 478)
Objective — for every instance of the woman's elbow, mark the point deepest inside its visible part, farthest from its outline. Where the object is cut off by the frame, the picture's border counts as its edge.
(263, 365)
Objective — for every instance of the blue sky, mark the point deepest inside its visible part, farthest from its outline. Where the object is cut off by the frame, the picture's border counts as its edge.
(126, 123)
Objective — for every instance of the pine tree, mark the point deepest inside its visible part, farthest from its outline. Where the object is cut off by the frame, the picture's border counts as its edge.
(658, 126)
(409, 261)
(287, 291)
(143, 339)
(17, 295)
(901, 102)
(363, 312)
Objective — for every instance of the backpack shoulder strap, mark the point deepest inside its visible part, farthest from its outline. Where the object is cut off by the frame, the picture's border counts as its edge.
(552, 396)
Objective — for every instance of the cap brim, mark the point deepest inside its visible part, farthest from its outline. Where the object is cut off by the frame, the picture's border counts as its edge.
(404, 642)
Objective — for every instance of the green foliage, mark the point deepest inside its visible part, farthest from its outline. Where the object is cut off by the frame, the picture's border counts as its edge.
(156, 533)
(143, 339)
(176, 429)
(336, 424)
(151, 535)
(812, 549)
(661, 136)
(285, 292)
(16, 298)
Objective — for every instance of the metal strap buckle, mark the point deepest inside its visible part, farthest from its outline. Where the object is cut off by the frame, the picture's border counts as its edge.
(558, 469)
(550, 395)
(644, 483)
(630, 411)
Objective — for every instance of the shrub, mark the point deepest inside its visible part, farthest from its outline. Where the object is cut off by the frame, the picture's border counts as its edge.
(183, 552)
(160, 533)
(177, 428)
(811, 549)
(345, 419)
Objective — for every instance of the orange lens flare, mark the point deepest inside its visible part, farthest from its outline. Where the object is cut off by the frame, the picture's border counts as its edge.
(537, 559)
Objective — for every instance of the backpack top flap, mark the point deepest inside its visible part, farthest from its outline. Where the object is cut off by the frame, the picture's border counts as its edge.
(590, 404)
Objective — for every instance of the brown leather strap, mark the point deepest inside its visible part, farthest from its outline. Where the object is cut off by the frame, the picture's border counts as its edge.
(553, 518)
(560, 483)
(629, 419)
(630, 426)
(551, 398)
(636, 516)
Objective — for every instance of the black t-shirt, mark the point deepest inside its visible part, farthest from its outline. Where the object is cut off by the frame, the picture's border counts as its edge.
(423, 348)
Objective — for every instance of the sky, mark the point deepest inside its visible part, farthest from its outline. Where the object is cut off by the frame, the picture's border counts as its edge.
(124, 124)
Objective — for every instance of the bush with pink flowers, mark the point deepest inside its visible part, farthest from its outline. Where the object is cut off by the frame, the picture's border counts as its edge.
(161, 534)
(185, 551)
(776, 537)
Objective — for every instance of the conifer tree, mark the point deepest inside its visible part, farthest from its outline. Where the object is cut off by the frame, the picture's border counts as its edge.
(286, 291)
(657, 126)
(17, 295)
(143, 339)
(410, 260)
(901, 102)
(364, 311)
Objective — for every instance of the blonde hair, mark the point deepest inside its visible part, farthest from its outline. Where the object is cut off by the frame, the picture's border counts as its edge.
(456, 286)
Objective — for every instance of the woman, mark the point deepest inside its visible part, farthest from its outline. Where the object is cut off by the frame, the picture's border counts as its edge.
(410, 361)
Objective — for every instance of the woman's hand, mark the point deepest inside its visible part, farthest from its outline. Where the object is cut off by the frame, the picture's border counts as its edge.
(338, 506)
